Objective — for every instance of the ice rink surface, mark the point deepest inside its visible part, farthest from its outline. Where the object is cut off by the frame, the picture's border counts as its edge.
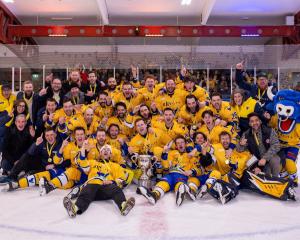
(26, 215)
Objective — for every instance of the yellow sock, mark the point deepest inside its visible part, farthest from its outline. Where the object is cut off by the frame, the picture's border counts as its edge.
(33, 180)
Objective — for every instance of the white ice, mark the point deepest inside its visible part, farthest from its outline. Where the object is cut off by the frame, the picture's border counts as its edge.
(26, 215)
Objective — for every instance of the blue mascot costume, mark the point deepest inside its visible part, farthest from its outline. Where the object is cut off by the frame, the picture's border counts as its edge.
(286, 105)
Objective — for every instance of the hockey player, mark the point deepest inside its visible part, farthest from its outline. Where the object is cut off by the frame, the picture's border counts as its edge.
(148, 93)
(223, 111)
(225, 169)
(112, 88)
(189, 87)
(144, 112)
(180, 167)
(120, 119)
(114, 138)
(212, 130)
(127, 96)
(104, 180)
(170, 126)
(88, 121)
(190, 114)
(62, 116)
(67, 155)
(103, 108)
(147, 141)
(96, 144)
(170, 96)
(230, 173)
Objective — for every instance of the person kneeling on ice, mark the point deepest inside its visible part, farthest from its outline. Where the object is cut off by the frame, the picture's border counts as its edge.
(104, 182)
(180, 167)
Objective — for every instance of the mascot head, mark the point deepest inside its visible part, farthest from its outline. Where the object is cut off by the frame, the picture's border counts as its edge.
(286, 103)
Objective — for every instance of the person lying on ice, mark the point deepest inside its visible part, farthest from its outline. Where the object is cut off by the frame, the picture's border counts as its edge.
(105, 179)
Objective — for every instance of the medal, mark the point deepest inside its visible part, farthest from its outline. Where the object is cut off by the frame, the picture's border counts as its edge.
(49, 151)
(93, 89)
(76, 100)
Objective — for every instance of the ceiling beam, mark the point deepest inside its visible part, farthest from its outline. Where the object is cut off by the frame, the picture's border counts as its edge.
(207, 8)
(12, 42)
(7, 18)
(103, 11)
(152, 31)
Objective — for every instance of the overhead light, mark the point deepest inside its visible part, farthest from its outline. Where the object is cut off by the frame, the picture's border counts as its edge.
(250, 35)
(186, 2)
(57, 35)
(154, 35)
(9, 1)
(61, 18)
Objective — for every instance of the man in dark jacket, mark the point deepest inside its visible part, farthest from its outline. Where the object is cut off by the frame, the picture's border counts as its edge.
(45, 114)
(261, 91)
(38, 158)
(55, 91)
(263, 143)
(17, 141)
(92, 88)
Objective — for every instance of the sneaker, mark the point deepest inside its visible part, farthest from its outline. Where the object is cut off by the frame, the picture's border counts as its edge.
(45, 186)
(180, 194)
(202, 191)
(127, 206)
(70, 207)
(150, 196)
(11, 186)
(192, 194)
(4, 179)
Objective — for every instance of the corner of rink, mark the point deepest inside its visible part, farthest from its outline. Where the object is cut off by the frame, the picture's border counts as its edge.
(26, 215)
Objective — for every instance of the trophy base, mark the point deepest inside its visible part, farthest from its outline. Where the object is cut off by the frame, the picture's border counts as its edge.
(146, 183)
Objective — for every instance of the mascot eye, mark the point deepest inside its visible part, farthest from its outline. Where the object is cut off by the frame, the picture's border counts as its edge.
(288, 110)
(280, 109)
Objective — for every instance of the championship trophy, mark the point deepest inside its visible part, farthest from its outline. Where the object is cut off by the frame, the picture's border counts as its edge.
(144, 162)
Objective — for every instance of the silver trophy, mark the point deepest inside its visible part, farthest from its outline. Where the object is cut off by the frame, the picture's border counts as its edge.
(145, 164)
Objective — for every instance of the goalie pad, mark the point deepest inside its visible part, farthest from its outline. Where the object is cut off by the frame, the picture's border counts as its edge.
(223, 191)
(275, 187)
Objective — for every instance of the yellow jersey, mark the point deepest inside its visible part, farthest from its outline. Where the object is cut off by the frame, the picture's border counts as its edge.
(222, 163)
(179, 162)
